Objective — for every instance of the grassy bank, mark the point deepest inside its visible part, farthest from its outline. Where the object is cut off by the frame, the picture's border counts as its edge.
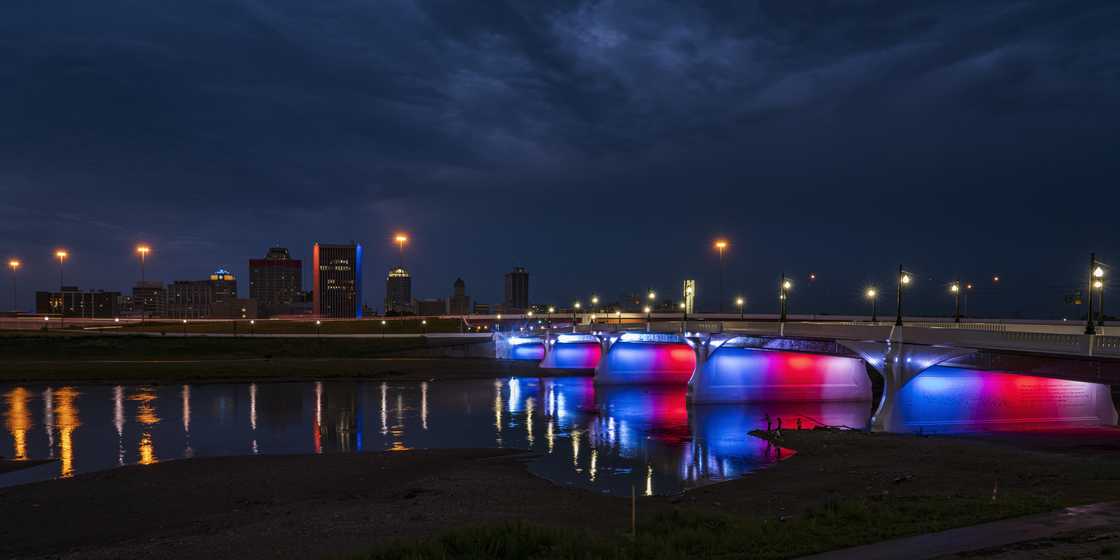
(64, 347)
(308, 326)
(683, 534)
(91, 357)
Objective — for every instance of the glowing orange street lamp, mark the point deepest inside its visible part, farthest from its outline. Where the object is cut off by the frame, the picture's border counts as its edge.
(143, 251)
(14, 265)
(61, 255)
(400, 239)
(720, 245)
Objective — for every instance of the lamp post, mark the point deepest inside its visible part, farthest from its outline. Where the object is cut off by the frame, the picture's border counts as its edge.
(721, 245)
(143, 251)
(551, 310)
(14, 265)
(594, 303)
(955, 288)
(649, 317)
(400, 239)
(1098, 274)
(684, 314)
(873, 295)
(252, 324)
(1090, 325)
(903, 280)
(739, 301)
(783, 298)
(61, 255)
(575, 310)
(619, 315)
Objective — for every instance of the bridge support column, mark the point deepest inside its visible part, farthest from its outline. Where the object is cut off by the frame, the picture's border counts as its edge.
(898, 363)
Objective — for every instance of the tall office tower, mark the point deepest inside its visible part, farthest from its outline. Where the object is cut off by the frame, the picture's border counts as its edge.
(517, 290)
(460, 302)
(398, 291)
(337, 280)
(223, 286)
(689, 295)
(275, 282)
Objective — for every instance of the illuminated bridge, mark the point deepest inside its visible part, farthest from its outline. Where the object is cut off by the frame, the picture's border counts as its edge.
(929, 377)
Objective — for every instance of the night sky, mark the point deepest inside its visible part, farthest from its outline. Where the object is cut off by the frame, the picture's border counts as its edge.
(602, 145)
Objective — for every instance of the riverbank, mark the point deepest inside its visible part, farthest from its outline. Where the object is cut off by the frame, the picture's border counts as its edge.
(92, 358)
(840, 489)
(270, 370)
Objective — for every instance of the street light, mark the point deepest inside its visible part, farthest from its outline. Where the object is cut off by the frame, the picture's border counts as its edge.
(575, 309)
(400, 240)
(619, 315)
(783, 298)
(903, 281)
(649, 317)
(252, 324)
(684, 314)
(1095, 273)
(14, 265)
(61, 255)
(143, 251)
(1098, 273)
(721, 245)
(956, 290)
(739, 301)
(594, 302)
(873, 295)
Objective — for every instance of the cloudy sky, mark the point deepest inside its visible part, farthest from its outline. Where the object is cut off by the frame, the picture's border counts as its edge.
(602, 145)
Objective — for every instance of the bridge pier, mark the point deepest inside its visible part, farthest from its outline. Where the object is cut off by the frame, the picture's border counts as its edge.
(898, 363)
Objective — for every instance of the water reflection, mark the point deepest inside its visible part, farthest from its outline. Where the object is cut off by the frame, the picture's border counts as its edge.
(18, 420)
(614, 439)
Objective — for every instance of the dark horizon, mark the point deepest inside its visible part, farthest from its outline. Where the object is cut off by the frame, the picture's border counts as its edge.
(602, 147)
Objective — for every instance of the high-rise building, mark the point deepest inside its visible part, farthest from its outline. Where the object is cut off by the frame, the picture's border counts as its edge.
(223, 286)
(275, 282)
(398, 291)
(337, 280)
(689, 296)
(460, 302)
(517, 290)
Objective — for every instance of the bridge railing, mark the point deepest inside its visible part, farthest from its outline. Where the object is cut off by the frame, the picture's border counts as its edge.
(1107, 346)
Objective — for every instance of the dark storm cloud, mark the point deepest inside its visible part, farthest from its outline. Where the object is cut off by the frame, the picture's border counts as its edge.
(218, 126)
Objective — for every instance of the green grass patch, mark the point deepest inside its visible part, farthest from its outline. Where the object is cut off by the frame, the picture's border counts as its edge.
(686, 534)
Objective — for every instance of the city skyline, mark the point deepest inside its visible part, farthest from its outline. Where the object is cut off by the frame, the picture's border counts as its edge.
(808, 293)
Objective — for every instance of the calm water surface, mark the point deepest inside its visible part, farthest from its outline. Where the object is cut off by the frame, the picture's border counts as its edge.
(607, 439)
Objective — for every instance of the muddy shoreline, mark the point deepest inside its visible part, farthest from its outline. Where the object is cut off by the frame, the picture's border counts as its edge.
(293, 506)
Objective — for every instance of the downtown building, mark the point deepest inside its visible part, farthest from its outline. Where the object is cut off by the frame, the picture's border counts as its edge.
(213, 298)
(72, 302)
(276, 282)
(398, 292)
(460, 302)
(337, 280)
(517, 291)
